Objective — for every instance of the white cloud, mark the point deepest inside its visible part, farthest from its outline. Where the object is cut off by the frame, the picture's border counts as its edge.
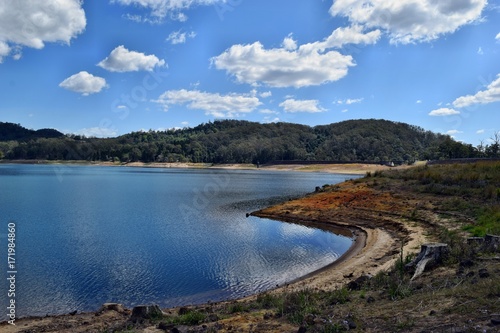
(345, 110)
(289, 43)
(98, 132)
(267, 111)
(266, 94)
(410, 21)
(282, 68)
(306, 105)
(185, 123)
(231, 105)
(291, 65)
(171, 8)
(443, 112)
(178, 37)
(498, 36)
(84, 83)
(133, 18)
(123, 60)
(480, 51)
(481, 131)
(342, 36)
(490, 95)
(419, 102)
(269, 120)
(4, 50)
(453, 132)
(350, 101)
(32, 23)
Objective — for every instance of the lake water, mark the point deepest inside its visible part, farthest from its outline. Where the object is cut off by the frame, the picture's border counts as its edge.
(86, 235)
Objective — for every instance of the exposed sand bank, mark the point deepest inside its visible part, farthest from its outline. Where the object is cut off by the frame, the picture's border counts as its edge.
(347, 168)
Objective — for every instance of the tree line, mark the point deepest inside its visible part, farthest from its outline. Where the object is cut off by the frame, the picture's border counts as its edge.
(236, 141)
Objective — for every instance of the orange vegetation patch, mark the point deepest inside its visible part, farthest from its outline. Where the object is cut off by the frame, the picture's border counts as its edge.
(350, 196)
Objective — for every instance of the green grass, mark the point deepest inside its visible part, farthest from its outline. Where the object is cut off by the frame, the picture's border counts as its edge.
(488, 222)
(192, 317)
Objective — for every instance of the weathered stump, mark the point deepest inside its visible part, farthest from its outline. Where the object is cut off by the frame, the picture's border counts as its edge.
(143, 312)
(430, 254)
(491, 243)
(475, 241)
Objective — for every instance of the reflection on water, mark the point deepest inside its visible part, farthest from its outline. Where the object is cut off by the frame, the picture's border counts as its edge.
(90, 235)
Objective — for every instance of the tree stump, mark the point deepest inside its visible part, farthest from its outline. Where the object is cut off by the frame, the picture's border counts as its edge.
(475, 241)
(143, 312)
(432, 253)
(491, 243)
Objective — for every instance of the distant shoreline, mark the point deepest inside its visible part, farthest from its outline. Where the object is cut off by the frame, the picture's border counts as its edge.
(335, 167)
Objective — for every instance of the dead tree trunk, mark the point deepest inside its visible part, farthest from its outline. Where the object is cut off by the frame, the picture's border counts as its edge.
(432, 254)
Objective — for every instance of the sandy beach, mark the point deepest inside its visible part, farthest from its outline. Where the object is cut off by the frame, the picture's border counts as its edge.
(343, 168)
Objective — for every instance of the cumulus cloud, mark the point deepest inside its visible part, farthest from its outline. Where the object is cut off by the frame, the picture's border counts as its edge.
(32, 23)
(214, 104)
(84, 83)
(443, 112)
(282, 68)
(342, 36)
(98, 132)
(269, 120)
(266, 94)
(453, 132)
(481, 131)
(173, 9)
(350, 101)
(267, 111)
(498, 36)
(305, 105)
(123, 60)
(291, 65)
(4, 50)
(490, 95)
(410, 21)
(178, 37)
(289, 43)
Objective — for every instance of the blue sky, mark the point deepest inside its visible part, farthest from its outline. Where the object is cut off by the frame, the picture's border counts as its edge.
(109, 67)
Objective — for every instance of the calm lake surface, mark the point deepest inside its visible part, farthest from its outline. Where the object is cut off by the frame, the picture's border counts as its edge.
(86, 235)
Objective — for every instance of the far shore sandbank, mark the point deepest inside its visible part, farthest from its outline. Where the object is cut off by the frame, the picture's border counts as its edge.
(344, 168)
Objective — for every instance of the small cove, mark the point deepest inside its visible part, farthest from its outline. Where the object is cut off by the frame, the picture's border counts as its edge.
(87, 235)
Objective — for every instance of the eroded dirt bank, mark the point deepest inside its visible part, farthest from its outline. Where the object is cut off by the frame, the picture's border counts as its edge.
(376, 218)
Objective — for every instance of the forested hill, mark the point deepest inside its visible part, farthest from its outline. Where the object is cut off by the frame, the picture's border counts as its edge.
(10, 131)
(233, 141)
